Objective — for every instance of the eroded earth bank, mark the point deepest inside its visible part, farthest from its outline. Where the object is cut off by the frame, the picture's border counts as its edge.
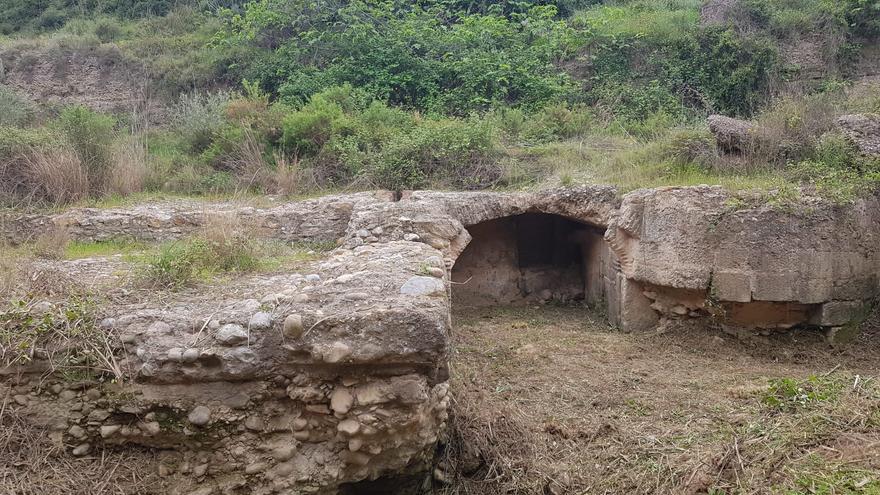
(332, 375)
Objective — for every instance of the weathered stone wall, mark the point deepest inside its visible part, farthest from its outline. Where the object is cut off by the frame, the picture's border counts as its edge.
(311, 382)
(314, 382)
(705, 241)
(321, 219)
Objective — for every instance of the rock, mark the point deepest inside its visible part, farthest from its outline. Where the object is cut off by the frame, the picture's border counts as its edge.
(423, 286)
(260, 321)
(837, 313)
(436, 272)
(175, 354)
(108, 431)
(190, 355)
(355, 444)
(150, 428)
(159, 328)
(255, 423)
(93, 394)
(42, 307)
(82, 450)
(337, 352)
(99, 415)
(863, 131)
(77, 431)
(272, 299)
(200, 470)
(356, 296)
(199, 416)
(841, 335)
(341, 400)
(313, 278)
(284, 453)
(732, 135)
(256, 467)
(67, 395)
(348, 426)
(231, 334)
(21, 400)
(293, 326)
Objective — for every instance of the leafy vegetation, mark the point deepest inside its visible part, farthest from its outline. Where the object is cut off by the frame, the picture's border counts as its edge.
(223, 246)
(290, 98)
(67, 335)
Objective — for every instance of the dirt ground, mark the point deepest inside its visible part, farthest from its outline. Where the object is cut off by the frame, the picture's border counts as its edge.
(551, 400)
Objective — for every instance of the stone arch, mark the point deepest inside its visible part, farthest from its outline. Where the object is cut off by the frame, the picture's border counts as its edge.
(533, 256)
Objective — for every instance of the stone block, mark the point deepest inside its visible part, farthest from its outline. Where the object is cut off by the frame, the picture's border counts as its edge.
(733, 286)
(836, 313)
(779, 286)
(636, 314)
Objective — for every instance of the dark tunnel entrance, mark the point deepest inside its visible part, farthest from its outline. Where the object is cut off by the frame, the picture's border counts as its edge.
(530, 258)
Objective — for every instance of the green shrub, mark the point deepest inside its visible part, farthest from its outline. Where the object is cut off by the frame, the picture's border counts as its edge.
(223, 246)
(554, 122)
(15, 110)
(197, 117)
(692, 146)
(307, 130)
(175, 265)
(107, 30)
(453, 152)
(839, 184)
(863, 16)
(425, 55)
(91, 135)
(835, 151)
(14, 140)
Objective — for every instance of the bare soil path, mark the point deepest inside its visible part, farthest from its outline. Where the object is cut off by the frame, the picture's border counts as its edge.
(551, 400)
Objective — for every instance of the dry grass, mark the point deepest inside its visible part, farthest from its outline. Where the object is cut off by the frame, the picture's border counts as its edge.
(286, 177)
(229, 237)
(31, 463)
(57, 176)
(129, 167)
(248, 162)
(290, 178)
(52, 244)
(550, 401)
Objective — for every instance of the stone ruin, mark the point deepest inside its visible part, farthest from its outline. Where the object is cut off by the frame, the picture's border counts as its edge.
(335, 380)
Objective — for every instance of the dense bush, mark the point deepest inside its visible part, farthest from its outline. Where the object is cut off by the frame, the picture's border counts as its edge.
(19, 15)
(197, 117)
(423, 55)
(90, 135)
(15, 110)
(646, 60)
(387, 147)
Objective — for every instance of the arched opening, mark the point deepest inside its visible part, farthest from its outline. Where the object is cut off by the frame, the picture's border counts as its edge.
(529, 258)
